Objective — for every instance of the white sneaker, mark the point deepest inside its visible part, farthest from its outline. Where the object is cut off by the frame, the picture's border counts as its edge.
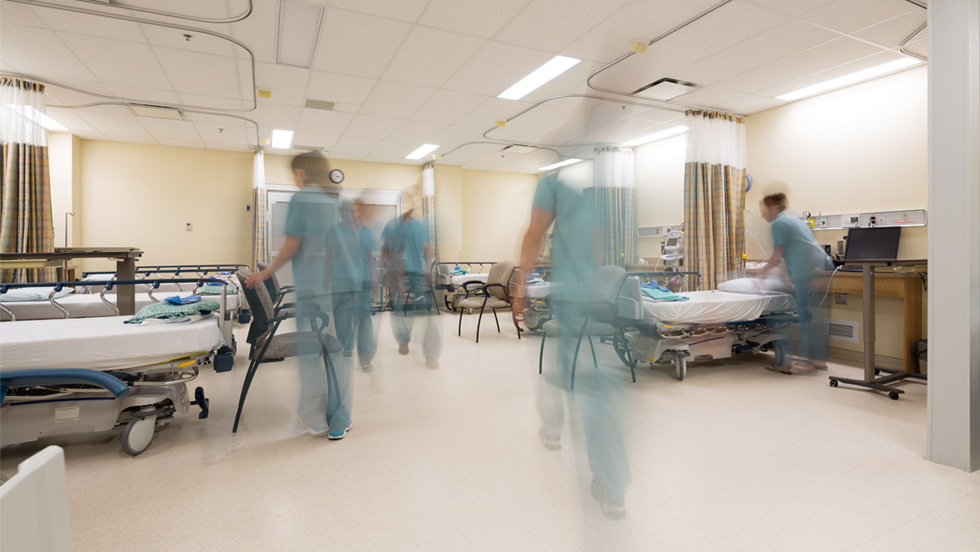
(550, 443)
(612, 510)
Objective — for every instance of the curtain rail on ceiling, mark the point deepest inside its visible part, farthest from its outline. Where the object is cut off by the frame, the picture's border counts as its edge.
(175, 15)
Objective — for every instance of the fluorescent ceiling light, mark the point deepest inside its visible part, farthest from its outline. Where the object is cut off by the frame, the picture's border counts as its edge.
(423, 150)
(841, 82)
(299, 26)
(282, 139)
(37, 117)
(559, 164)
(541, 75)
(657, 136)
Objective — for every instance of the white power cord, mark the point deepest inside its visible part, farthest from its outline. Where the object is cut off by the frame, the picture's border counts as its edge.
(830, 283)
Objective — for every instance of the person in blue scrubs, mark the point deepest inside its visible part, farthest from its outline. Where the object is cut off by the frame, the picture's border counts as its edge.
(795, 245)
(575, 255)
(323, 408)
(349, 245)
(408, 261)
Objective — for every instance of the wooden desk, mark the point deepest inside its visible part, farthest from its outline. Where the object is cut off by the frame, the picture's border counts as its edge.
(904, 285)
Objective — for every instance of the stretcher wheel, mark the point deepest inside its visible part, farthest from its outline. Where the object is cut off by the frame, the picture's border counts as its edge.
(680, 362)
(833, 383)
(893, 395)
(138, 434)
(779, 350)
(877, 372)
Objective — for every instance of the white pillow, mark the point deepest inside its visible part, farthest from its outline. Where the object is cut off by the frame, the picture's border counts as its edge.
(756, 285)
(33, 294)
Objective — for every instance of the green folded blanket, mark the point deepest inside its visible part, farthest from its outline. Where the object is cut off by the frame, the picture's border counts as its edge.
(164, 309)
(215, 289)
(661, 295)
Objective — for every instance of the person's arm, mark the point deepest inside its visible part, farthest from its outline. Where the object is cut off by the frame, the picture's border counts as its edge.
(289, 249)
(774, 259)
(541, 219)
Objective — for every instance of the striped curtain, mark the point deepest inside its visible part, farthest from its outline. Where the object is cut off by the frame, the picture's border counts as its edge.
(615, 204)
(260, 212)
(26, 225)
(429, 208)
(714, 195)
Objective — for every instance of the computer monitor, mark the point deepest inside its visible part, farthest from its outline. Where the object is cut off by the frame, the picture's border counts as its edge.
(872, 243)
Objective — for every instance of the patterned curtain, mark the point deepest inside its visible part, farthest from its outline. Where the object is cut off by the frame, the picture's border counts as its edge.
(26, 225)
(260, 210)
(429, 208)
(615, 203)
(714, 195)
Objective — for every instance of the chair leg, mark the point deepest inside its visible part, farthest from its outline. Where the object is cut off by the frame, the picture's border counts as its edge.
(495, 319)
(541, 354)
(478, 321)
(459, 330)
(578, 344)
(252, 368)
(594, 361)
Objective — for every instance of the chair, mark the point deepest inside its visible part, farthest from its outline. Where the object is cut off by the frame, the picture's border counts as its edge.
(492, 295)
(276, 292)
(266, 342)
(594, 316)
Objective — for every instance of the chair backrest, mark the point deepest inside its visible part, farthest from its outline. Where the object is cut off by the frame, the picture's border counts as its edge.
(608, 281)
(500, 273)
(272, 284)
(260, 302)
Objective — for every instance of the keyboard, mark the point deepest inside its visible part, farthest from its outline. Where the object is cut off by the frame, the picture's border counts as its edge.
(850, 268)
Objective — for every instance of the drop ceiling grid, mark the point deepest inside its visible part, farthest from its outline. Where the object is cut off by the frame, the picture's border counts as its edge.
(89, 25)
(848, 16)
(570, 20)
(480, 18)
(429, 57)
(872, 60)
(447, 107)
(356, 44)
(891, 33)
(50, 58)
(288, 84)
(369, 126)
(495, 68)
(402, 10)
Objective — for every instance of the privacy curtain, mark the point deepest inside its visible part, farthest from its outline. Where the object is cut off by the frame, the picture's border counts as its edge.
(260, 212)
(714, 195)
(615, 198)
(26, 225)
(429, 207)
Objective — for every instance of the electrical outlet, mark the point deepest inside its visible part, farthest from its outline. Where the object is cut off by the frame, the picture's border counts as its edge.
(187, 227)
(840, 298)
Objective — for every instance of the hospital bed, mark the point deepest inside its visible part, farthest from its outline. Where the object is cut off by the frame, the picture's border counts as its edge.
(72, 375)
(709, 324)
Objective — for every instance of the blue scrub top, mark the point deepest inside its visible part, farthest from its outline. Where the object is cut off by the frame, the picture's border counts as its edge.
(573, 243)
(801, 251)
(366, 237)
(406, 245)
(311, 212)
(346, 264)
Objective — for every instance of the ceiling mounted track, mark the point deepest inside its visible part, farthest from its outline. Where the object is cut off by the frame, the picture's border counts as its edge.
(123, 5)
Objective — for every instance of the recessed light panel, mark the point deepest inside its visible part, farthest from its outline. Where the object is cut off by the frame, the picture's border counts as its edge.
(541, 75)
(299, 26)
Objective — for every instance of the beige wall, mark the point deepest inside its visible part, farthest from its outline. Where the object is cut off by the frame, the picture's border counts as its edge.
(61, 170)
(142, 196)
(659, 189)
(449, 212)
(496, 209)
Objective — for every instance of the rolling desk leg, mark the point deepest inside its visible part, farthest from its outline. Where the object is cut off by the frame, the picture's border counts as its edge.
(126, 295)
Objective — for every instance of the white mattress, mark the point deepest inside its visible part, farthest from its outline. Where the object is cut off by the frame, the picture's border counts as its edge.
(101, 343)
(88, 305)
(540, 291)
(714, 307)
(473, 277)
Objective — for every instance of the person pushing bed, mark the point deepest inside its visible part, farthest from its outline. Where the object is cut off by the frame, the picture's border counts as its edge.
(794, 244)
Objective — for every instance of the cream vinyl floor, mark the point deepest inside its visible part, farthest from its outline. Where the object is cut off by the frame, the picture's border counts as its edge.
(732, 458)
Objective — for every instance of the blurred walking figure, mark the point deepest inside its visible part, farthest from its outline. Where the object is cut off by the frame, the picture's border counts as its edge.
(349, 247)
(407, 259)
(794, 244)
(575, 257)
(323, 408)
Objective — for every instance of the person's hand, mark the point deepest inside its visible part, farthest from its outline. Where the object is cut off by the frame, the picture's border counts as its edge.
(257, 278)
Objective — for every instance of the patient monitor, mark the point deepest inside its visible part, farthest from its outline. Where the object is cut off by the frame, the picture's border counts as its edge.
(673, 249)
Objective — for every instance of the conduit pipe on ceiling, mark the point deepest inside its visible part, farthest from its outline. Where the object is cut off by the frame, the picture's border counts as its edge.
(185, 107)
(121, 5)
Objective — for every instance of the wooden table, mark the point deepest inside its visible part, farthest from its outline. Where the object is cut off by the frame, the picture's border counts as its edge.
(125, 266)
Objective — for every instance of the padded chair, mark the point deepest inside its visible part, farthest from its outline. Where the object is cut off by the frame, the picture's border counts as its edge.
(594, 316)
(493, 295)
(276, 291)
(268, 343)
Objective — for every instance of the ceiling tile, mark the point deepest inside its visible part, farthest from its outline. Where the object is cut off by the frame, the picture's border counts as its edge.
(91, 25)
(462, 155)
(110, 125)
(369, 126)
(396, 150)
(455, 135)
(41, 54)
(325, 141)
(198, 42)
(204, 74)
(430, 56)
(786, 39)
(258, 31)
(210, 132)
(418, 132)
(127, 139)
(724, 28)
(288, 84)
(405, 10)
(445, 106)
(471, 17)
(56, 95)
(19, 14)
(832, 73)
(495, 68)
(200, 101)
(750, 104)
(848, 16)
(117, 62)
(568, 20)
(920, 47)
(795, 7)
(272, 116)
(557, 86)
(625, 79)
(891, 33)
(69, 119)
(337, 88)
(660, 115)
(814, 60)
(224, 121)
(170, 129)
(177, 143)
(144, 95)
(390, 99)
(323, 122)
(640, 20)
(357, 44)
(494, 109)
(357, 146)
(709, 96)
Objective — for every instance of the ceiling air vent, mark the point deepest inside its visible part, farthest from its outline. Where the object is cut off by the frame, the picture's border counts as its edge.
(517, 148)
(319, 104)
(664, 89)
(156, 111)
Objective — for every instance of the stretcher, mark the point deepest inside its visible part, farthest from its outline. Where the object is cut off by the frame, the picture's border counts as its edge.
(93, 374)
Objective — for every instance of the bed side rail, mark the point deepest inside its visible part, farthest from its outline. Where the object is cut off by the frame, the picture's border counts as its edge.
(10, 379)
